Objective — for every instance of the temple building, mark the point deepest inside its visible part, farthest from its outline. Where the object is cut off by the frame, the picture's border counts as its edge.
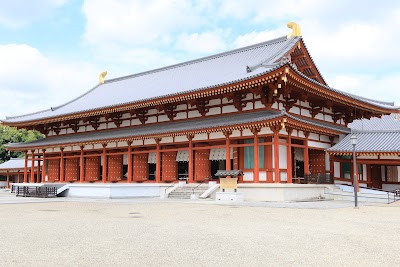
(264, 109)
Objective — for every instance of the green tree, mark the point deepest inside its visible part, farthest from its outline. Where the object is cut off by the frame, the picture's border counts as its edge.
(13, 135)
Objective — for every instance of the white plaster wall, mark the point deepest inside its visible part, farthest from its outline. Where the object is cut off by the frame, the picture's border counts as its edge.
(249, 106)
(102, 126)
(181, 107)
(275, 105)
(301, 134)
(181, 115)
(149, 142)
(319, 116)
(324, 138)
(258, 105)
(167, 140)
(235, 133)
(318, 144)
(282, 157)
(305, 112)
(111, 145)
(328, 118)
(304, 104)
(137, 142)
(390, 157)
(125, 123)
(56, 149)
(364, 174)
(327, 162)
(194, 114)
(225, 100)
(217, 135)
(283, 176)
(152, 111)
(383, 174)
(151, 119)
(248, 176)
(202, 136)
(262, 176)
(136, 122)
(163, 118)
(214, 102)
(265, 130)
(336, 169)
(247, 132)
(367, 157)
(181, 139)
(81, 129)
(214, 111)
(313, 136)
(228, 109)
(295, 110)
(63, 131)
(125, 159)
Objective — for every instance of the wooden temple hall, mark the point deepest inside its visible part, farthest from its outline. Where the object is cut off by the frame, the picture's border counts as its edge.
(264, 109)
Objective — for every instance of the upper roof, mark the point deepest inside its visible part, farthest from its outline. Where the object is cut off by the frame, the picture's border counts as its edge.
(168, 128)
(204, 73)
(208, 72)
(386, 122)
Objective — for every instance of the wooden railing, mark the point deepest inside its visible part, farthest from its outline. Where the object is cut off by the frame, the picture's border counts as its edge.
(319, 178)
(35, 191)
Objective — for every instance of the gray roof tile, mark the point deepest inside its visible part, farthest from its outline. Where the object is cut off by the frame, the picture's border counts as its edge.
(14, 164)
(370, 142)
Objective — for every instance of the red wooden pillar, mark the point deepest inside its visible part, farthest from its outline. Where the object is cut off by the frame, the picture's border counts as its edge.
(289, 163)
(276, 155)
(269, 160)
(227, 150)
(190, 138)
(82, 166)
(62, 171)
(44, 172)
(158, 161)
(256, 169)
(38, 180)
(104, 170)
(306, 157)
(8, 180)
(26, 168)
(129, 178)
(32, 180)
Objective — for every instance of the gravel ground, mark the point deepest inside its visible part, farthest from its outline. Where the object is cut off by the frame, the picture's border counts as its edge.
(151, 232)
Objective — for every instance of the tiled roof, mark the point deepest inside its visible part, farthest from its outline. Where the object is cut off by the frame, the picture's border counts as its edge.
(15, 164)
(208, 72)
(172, 127)
(370, 142)
(386, 122)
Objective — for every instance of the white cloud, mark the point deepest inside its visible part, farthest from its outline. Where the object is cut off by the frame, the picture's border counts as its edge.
(18, 13)
(258, 37)
(137, 22)
(31, 81)
(205, 42)
(381, 88)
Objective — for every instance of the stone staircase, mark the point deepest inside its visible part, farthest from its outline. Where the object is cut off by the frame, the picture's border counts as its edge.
(187, 190)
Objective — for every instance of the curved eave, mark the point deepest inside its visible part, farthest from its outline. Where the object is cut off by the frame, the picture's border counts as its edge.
(274, 120)
(311, 86)
(364, 153)
(232, 86)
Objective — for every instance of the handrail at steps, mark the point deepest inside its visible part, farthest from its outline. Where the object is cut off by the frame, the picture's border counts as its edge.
(172, 185)
(194, 188)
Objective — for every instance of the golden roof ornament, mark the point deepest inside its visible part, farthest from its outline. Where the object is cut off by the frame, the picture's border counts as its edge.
(102, 76)
(296, 31)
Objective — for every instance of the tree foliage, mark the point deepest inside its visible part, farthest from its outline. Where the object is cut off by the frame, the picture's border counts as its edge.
(13, 135)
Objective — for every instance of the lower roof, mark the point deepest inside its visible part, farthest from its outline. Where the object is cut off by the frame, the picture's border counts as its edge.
(15, 164)
(369, 142)
(169, 128)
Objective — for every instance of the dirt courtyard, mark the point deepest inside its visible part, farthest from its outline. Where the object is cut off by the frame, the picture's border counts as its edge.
(162, 233)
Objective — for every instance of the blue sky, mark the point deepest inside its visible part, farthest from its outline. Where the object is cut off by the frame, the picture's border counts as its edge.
(53, 50)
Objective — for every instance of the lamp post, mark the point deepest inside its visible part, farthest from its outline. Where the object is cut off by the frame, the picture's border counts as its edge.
(353, 140)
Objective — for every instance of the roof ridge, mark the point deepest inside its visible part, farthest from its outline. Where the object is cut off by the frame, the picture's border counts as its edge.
(230, 52)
